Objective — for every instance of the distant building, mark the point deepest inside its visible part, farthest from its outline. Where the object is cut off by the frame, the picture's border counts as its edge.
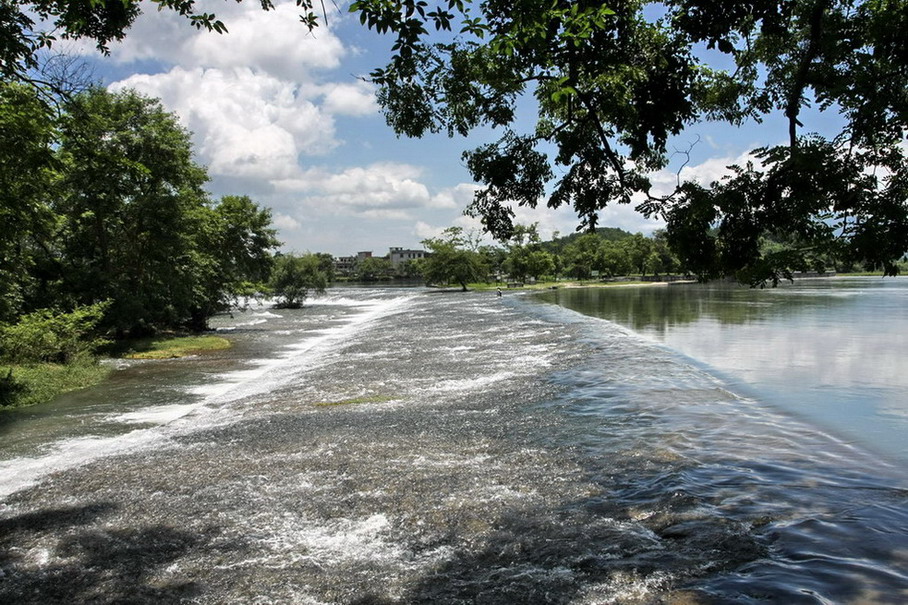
(344, 265)
(401, 255)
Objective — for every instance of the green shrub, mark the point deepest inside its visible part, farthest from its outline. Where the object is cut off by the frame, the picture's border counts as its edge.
(51, 336)
(10, 389)
(24, 385)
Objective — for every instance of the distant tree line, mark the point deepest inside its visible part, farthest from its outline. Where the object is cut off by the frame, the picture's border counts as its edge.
(607, 252)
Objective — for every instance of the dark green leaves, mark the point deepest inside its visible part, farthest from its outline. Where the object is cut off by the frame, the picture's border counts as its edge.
(613, 84)
(452, 261)
(293, 278)
(106, 203)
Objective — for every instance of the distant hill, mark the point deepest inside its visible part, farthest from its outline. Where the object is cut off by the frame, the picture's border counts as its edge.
(612, 234)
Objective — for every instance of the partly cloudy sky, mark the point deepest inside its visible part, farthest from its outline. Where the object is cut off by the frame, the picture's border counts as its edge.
(285, 117)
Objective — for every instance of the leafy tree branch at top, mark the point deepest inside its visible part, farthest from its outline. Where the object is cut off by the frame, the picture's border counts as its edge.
(28, 27)
(613, 82)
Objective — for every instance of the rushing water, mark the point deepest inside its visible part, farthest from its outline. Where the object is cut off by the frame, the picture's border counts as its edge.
(388, 446)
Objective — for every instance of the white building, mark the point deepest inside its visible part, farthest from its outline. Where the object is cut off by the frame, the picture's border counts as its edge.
(401, 255)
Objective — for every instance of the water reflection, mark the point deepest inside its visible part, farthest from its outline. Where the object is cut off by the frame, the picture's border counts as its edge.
(832, 350)
(657, 309)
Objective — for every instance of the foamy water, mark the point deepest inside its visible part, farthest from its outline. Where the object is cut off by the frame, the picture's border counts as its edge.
(264, 374)
(380, 447)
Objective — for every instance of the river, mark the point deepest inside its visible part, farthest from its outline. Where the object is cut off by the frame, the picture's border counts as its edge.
(833, 351)
(402, 446)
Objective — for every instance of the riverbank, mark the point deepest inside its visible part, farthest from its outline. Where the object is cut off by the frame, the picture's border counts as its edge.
(24, 385)
(634, 282)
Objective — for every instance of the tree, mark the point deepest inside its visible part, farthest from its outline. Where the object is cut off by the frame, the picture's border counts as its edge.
(526, 256)
(451, 262)
(27, 172)
(583, 256)
(614, 82)
(638, 249)
(136, 227)
(132, 206)
(662, 259)
(326, 264)
(293, 278)
(373, 268)
(408, 269)
(104, 202)
(493, 257)
(234, 255)
(615, 259)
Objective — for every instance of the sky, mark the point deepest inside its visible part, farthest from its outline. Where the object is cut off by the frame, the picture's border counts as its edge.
(285, 117)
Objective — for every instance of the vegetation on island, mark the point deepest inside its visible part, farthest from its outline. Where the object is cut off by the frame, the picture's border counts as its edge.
(167, 346)
(295, 276)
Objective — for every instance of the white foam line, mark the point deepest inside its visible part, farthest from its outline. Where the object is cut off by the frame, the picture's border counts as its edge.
(297, 357)
(252, 322)
(158, 414)
(20, 473)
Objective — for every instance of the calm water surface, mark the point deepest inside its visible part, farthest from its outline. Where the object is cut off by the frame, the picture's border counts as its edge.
(401, 446)
(834, 351)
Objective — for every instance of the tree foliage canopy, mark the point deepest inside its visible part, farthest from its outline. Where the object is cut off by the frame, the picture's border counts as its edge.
(525, 256)
(614, 81)
(107, 204)
(28, 27)
(452, 260)
(295, 276)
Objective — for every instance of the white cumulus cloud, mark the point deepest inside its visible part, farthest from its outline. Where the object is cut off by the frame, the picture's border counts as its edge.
(357, 99)
(244, 123)
(274, 41)
(285, 222)
(252, 97)
(387, 190)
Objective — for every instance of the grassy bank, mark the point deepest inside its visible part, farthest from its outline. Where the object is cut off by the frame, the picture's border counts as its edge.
(168, 346)
(27, 384)
(23, 385)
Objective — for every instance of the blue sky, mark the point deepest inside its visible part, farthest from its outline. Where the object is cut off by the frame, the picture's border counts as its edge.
(280, 115)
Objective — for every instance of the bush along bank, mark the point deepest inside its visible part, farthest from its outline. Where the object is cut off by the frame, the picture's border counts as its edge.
(47, 353)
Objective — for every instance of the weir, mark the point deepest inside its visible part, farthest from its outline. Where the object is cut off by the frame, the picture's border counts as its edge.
(446, 448)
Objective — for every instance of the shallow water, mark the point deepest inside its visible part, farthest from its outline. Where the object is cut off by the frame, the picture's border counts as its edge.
(833, 351)
(407, 447)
